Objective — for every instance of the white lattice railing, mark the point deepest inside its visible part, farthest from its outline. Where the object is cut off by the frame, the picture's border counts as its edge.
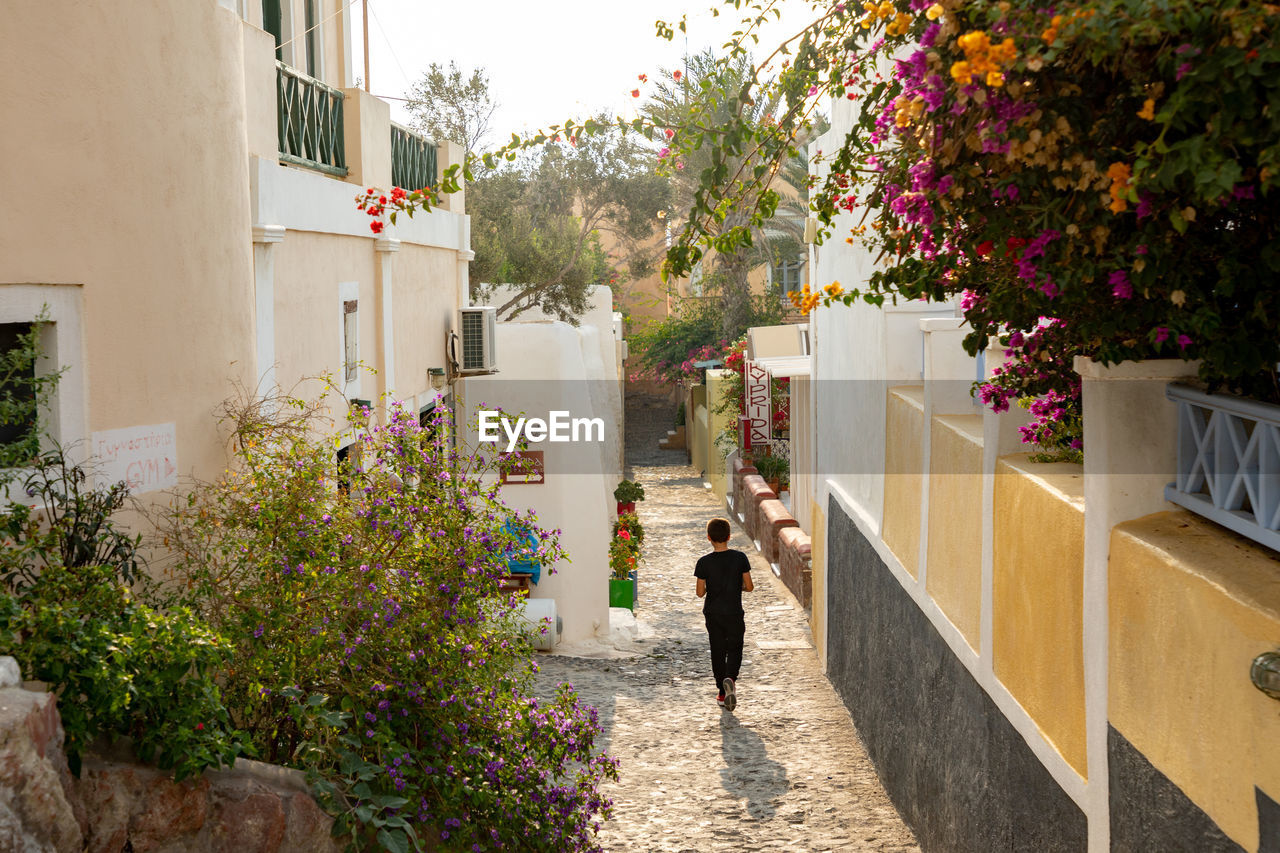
(1228, 462)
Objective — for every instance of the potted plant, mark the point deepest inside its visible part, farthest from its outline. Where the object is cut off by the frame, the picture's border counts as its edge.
(626, 494)
(774, 469)
(623, 555)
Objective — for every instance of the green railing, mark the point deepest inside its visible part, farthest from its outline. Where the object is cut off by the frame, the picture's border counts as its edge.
(413, 159)
(309, 122)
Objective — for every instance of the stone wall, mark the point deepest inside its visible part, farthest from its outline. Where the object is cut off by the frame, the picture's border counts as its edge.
(119, 805)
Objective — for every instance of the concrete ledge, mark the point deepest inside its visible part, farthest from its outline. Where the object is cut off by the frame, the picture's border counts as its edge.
(773, 517)
(795, 565)
(755, 491)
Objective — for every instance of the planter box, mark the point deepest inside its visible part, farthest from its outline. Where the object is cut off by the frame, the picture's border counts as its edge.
(622, 593)
(626, 507)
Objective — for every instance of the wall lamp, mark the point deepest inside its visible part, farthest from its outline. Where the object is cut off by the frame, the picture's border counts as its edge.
(1265, 673)
(436, 376)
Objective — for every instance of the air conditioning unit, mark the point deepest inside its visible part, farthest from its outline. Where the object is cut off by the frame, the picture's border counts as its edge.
(478, 329)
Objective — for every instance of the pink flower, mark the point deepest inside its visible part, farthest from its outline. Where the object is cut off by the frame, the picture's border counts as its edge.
(1120, 286)
(663, 153)
(1183, 342)
(1162, 334)
(1183, 70)
(622, 534)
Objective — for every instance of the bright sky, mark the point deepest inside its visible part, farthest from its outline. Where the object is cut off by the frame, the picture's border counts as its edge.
(546, 60)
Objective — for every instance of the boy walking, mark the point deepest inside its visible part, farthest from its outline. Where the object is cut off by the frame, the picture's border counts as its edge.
(722, 576)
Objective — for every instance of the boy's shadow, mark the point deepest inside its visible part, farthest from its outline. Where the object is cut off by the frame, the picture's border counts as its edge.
(750, 774)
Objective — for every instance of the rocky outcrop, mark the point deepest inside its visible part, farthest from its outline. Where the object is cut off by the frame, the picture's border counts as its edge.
(119, 805)
(37, 811)
(252, 808)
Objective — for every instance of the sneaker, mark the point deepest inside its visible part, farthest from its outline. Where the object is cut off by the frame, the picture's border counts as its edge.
(720, 700)
(730, 695)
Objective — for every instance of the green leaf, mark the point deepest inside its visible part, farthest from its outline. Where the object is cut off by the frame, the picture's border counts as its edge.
(393, 840)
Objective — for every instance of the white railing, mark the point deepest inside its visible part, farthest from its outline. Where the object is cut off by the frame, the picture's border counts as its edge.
(1228, 462)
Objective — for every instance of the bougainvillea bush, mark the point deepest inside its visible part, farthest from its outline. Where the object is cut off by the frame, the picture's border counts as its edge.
(1107, 165)
(372, 645)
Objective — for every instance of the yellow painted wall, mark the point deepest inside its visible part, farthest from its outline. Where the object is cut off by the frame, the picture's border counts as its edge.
(1190, 605)
(818, 566)
(698, 421)
(424, 284)
(126, 171)
(1037, 604)
(716, 390)
(954, 577)
(903, 468)
(308, 311)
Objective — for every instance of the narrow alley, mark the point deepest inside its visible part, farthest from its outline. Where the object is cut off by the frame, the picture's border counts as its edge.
(785, 770)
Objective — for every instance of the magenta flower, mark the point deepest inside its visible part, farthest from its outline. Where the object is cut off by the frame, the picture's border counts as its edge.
(1120, 286)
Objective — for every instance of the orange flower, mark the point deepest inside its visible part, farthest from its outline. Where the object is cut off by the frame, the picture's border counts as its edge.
(1148, 110)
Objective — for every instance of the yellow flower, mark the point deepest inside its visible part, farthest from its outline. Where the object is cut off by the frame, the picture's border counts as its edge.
(899, 25)
(934, 12)
(962, 73)
(1148, 110)
(834, 289)
(995, 78)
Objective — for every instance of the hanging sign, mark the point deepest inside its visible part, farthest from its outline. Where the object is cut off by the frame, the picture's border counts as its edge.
(756, 402)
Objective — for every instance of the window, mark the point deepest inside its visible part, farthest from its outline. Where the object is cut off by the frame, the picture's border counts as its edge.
(19, 431)
(350, 340)
(313, 35)
(788, 276)
(273, 22)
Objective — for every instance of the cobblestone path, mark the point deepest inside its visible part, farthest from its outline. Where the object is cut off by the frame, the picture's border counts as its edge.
(786, 770)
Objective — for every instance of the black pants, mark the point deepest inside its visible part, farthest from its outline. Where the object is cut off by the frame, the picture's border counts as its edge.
(726, 632)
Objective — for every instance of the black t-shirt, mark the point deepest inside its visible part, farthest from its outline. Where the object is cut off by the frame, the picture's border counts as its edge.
(723, 571)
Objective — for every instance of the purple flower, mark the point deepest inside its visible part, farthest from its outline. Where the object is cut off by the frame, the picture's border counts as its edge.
(1162, 334)
(1120, 286)
(1183, 342)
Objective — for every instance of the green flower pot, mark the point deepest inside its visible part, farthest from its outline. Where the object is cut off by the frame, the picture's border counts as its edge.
(622, 593)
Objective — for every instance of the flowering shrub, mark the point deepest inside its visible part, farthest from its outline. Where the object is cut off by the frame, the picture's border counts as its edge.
(1036, 378)
(372, 645)
(122, 668)
(630, 522)
(1104, 163)
(624, 547)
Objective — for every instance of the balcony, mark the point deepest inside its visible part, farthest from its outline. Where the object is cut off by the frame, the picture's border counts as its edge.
(413, 159)
(309, 122)
(1228, 462)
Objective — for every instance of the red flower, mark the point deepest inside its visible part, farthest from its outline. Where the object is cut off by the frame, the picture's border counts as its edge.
(199, 727)
(676, 75)
(984, 248)
(376, 226)
(622, 534)
(635, 93)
